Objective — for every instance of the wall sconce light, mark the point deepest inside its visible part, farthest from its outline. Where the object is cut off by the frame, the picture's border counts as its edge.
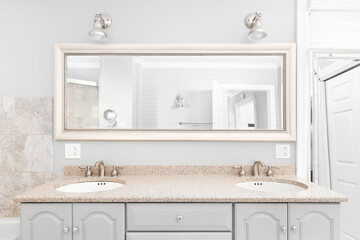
(254, 23)
(102, 21)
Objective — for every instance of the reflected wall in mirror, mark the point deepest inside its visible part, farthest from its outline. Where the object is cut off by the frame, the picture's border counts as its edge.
(175, 92)
(176, 88)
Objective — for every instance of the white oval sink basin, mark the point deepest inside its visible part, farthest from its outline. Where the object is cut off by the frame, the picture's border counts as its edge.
(86, 187)
(265, 186)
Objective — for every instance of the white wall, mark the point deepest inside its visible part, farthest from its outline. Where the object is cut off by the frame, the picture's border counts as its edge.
(160, 86)
(333, 24)
(32, 28)
(115, 90)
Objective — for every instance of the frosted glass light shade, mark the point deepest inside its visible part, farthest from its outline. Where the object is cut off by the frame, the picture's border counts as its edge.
(257, 32)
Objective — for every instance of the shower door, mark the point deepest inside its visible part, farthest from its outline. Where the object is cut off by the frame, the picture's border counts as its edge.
(343, 116)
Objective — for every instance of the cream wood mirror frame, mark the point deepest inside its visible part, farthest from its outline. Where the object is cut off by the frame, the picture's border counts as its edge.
(289, 134)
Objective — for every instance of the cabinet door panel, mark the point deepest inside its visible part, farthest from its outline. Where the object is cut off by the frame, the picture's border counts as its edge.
(95, 221)
(260, 221)
(46, 221)
(314, 221)
(178, 236)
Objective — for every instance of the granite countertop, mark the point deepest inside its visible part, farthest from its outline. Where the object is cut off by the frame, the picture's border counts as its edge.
(179, 185)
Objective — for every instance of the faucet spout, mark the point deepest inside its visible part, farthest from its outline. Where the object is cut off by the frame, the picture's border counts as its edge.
(101, 166)
(256, 167)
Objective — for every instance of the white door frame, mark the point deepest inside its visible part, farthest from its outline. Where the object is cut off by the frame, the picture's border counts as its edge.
(305, 56)
(245, 101)
(307, 105)
(303, 142)
(269, 89)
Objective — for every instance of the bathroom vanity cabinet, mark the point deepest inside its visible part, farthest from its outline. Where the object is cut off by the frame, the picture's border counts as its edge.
(314, 221)
(67, 221)
(293, 221)
(180, 221)
(261, 221)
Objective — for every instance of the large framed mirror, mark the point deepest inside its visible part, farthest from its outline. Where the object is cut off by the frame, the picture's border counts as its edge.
(198, 92)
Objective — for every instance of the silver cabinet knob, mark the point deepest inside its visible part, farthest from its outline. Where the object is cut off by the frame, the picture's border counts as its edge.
(179, 218)
(284, 229)
(75, 230)
(294, 228)
(66, 230)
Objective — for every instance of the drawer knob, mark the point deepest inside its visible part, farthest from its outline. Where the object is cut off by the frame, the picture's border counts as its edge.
(179, 218)
(294, 228)
(284, 229)
(66, 230)
(75, 230)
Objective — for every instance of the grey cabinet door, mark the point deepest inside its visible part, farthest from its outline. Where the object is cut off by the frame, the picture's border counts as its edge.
(98, 221)
(260, 221)
(315, 221)
(178, 236)
(46, 221)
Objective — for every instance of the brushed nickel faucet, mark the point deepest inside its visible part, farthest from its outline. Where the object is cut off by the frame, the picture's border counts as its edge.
(101, 166)
(256, 167)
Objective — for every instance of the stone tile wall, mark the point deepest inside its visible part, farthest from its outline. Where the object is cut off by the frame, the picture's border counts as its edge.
(82, 107)
(25, 148)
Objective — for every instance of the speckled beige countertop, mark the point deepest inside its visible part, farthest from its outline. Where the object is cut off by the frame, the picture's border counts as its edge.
(180, 184)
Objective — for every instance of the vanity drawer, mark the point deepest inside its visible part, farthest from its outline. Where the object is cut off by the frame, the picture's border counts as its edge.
(179, 236)
(212, 217)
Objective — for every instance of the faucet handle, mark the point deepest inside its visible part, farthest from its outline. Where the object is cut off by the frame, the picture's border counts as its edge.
(242, 171)
(88, 172)
(114, 173)
(269, 172)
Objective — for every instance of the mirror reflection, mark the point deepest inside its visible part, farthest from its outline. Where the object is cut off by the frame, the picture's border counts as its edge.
(175, 92)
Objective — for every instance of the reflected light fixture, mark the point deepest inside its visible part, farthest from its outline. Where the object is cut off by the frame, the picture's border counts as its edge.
(254, 23)
(102, 21)
(179, 101)
(110, 116)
